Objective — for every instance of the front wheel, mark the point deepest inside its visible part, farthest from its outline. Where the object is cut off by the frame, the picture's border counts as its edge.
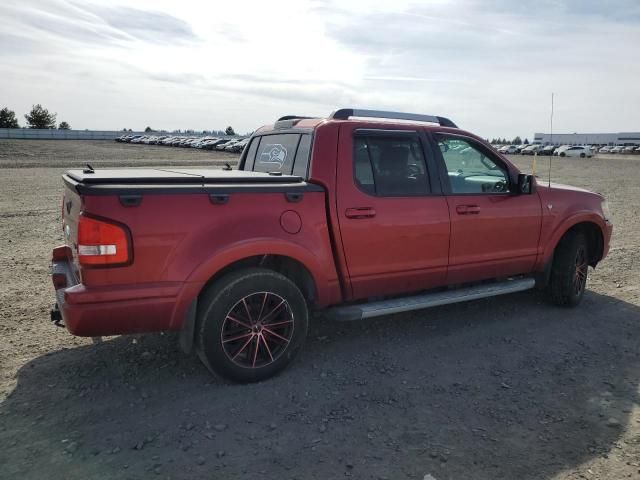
(582, 155)
(562, 154)
(569, 271)
(252, 324)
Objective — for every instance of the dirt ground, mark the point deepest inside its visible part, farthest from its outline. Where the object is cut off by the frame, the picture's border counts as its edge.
(505, 388)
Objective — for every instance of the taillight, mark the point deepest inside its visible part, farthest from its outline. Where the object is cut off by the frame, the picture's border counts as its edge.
(102, 242)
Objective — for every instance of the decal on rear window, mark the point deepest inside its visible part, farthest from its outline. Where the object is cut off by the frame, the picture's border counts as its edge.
(273, 153)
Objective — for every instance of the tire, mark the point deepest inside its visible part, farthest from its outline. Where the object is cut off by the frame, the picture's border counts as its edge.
(562, 154)
(582, 155)
(569, 270)
(237, 339)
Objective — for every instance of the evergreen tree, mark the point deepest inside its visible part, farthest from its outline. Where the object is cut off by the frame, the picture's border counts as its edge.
(40, 117)
(8, 119)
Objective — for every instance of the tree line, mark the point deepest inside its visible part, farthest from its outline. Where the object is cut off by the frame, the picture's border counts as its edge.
(504, 141)
(38, 117)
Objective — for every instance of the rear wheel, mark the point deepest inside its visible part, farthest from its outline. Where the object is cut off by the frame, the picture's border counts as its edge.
(569, 271)
(562, 154)
(582, 155)
(252, 324)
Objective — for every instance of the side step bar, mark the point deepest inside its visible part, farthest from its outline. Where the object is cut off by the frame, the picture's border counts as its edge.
(426, 300)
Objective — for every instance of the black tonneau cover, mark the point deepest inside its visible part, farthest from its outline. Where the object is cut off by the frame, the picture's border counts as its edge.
(138, 181)
(176, 176)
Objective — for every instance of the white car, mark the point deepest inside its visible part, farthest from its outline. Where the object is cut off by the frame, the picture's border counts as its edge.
(629, 149)
(617, 149)
(560, 149)
(509, 149)
(577, 151)
(605, 149)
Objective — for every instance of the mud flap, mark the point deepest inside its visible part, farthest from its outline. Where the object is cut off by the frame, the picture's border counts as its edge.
(186, 336)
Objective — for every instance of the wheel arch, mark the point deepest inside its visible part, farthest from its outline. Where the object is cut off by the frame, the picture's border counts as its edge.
(594, 236)
(292, 268)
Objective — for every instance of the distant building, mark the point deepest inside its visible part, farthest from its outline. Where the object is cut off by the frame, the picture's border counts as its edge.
(623, 138)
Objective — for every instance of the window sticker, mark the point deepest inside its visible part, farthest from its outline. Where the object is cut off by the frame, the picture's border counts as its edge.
(274, 154)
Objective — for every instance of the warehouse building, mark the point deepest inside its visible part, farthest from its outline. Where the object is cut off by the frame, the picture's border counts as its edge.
(600, 139)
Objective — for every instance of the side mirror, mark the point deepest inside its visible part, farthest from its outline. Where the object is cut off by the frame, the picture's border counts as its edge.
(526, 184)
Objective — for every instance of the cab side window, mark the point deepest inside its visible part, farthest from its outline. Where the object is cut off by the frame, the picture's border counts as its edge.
(470, 170)
(388, 166)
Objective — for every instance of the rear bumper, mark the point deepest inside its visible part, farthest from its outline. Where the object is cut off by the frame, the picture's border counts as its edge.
(111, 310)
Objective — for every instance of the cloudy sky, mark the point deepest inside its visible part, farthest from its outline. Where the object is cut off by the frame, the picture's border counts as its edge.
(488, 65)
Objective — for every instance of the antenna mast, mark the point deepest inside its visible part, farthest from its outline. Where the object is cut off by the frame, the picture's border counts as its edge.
(550, 156)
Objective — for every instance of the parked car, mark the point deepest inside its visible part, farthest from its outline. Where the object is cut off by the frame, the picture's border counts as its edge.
(637, 150)
(230, 147)
(605, 149)
(357, 223)
(531, 149)
(629, 149)
(238, 146)
(547, 150)
(225, 143)
(562, 148)
(617, 149)
(508, 149)
(577, 151)
(213, 143)
(519, 148)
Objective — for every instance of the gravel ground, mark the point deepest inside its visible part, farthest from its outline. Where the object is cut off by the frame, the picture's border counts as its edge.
(507, 388)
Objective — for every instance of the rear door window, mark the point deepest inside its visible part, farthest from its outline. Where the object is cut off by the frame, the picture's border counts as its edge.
(390, 166)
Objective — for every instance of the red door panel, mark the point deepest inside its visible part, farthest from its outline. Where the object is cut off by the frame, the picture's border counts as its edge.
(492, 235)
(392, 244)
(494, 230)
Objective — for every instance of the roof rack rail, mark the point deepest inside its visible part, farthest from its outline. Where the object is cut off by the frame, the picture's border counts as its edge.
(346, 113)
(288, 121)
(293, 117)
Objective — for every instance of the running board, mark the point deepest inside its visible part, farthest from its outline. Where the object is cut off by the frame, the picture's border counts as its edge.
(427, 300)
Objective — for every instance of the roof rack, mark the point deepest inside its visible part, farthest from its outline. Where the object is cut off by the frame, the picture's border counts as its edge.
(288, 121)
(346, 113)
(293, 117)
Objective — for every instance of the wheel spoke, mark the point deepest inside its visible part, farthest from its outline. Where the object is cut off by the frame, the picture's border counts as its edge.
(271, 332)
(275, 324)
(246, 307)
(266, 347)
(233, 319)
(236, 337)
(243, 347)
(275, 309)
(264, 301)
(255, 352)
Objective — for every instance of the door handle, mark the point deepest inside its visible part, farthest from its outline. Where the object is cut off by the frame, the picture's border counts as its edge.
(468, 209)
(360, 212)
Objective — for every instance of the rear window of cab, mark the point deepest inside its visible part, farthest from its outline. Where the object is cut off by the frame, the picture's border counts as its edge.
(287, 153)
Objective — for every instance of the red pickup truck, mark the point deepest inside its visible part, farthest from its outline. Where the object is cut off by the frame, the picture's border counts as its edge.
(361, 214)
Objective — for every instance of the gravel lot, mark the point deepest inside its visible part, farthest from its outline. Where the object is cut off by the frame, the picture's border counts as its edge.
(508, 388)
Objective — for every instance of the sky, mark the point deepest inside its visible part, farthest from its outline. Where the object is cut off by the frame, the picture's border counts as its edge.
(490, 66)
